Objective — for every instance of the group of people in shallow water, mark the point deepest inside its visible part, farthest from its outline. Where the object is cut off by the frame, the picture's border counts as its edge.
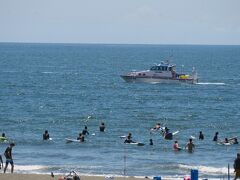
(190, 145)
(164, 130)
(81, 136)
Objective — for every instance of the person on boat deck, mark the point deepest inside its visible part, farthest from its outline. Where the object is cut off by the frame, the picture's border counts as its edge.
(176, 146)
(215, 138)
(201, 136)
(102, 127)
(80, 137)
(129, 138)
(85, 131)
(167, 134)
(236, 167)
(46, 135)
(190, 146)
(150, 142)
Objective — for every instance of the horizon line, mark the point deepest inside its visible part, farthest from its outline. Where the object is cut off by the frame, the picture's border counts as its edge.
(102, 43)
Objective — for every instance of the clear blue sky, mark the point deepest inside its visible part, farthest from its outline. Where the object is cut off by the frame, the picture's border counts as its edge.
(121, 21)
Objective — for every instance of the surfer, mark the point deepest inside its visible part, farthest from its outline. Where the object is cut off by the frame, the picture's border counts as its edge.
(176, 146)
(8, 156)
(85, 131)
(3, 137)
(236, 166)
(226, 140)
(215, 138)
(46, 135)
(235, 141)
(190, 146)
(129, 138)
(167, 134)
(80, 137)
(150, 142)
(201, 136)
(102, 127)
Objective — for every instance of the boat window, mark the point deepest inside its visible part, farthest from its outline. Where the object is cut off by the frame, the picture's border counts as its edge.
(154, 68)
(170, 68)
(165, 68)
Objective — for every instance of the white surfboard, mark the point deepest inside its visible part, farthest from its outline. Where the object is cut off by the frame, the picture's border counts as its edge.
(69, 140)
(174, 133)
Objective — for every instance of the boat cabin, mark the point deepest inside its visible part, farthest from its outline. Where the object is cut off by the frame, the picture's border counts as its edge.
(164, 66)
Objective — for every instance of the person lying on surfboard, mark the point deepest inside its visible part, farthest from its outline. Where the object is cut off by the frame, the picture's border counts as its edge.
(235, 141)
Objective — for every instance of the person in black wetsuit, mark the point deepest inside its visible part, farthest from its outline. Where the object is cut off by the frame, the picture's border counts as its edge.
(215, 138)
(129, 138)
(150, 142)
(201, 136)
(46, 135)
(85, 131)
(102, 127)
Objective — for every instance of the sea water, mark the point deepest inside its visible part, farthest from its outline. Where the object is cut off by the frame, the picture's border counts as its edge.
(63, 87)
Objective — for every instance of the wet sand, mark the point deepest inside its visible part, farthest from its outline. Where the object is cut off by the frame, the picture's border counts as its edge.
(48, 177)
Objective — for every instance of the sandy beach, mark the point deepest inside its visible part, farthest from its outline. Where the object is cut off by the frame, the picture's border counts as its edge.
(48, 177)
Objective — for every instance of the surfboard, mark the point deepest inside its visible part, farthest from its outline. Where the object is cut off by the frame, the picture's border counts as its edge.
(230, 141)
(123, 136)
(174, 133)
(69, 140)
(136, 143)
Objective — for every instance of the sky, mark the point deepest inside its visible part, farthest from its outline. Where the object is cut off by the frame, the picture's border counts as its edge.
(121, 21)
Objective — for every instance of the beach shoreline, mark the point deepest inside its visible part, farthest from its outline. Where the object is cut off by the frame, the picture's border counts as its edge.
(17, 176)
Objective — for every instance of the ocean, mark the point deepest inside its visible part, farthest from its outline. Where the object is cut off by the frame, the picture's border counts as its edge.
(63, 87)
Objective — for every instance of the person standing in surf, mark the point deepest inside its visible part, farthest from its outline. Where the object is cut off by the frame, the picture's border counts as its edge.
(236, 166)
(46, 135)
(9, 159)
(102, 127)
(1, 162)
(176, 146)
(215, 138)
(201, 136)
(190, 146)
(85, 131)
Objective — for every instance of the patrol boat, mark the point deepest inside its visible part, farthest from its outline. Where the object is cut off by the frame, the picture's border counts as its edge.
(164, 72)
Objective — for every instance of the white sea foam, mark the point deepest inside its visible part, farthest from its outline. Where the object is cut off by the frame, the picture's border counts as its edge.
(29, 167)
(207, 169)
(211, 83)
